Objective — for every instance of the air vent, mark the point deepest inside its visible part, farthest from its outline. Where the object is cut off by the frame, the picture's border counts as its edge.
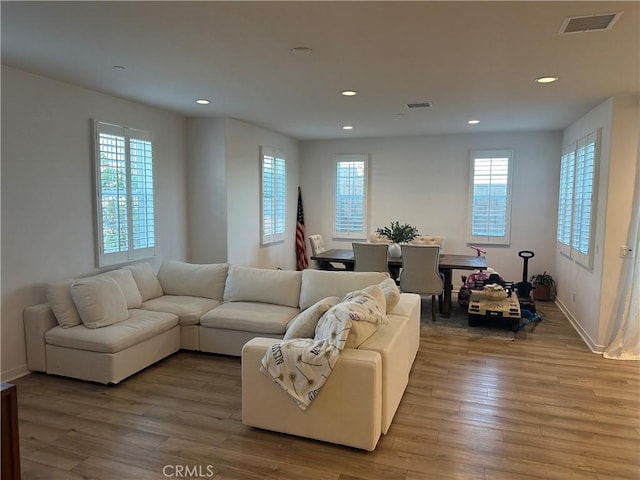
(589, 23)
(419, 105)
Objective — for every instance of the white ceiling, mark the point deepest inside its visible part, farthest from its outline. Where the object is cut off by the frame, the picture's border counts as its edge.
(472, 60)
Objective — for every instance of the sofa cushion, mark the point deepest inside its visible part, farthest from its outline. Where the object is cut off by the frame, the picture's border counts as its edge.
(279, 287)
(250, 317)
(140, 326)
(99, 300)
(124, 278)
(188, 309)
(304, 324)
(147, 281)
(195, 280)
(319, 284)
(391, 292)
(59, 297)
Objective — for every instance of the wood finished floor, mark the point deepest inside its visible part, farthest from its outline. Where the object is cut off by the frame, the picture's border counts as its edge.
(541, 407)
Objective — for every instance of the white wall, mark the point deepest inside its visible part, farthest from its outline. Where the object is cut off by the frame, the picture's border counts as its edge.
(588, 296)
(625, 140)
(425, 181)
(47, 199)
(243, 142)
(207, 190)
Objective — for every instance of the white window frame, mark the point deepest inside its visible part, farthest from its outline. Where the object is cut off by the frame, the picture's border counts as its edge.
(341, 228)
(475, 237)
(135, 220)
(579, 170)
(273, 209)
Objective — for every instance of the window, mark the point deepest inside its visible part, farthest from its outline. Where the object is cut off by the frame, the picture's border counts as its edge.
(578, 170)
(350, 207)
(490, 199)
(125, 220)
(273, 172)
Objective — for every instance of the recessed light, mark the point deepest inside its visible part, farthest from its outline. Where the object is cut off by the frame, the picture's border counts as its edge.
(347, 127)
(473, 122)
(301, 50)
(203, 101)
(349, 93)
(546, 79)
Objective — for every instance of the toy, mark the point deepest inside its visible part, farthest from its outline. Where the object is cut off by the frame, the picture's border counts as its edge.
(493, 301)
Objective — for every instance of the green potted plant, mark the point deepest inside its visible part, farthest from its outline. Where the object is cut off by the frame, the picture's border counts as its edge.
(398, 234)
(543, 284)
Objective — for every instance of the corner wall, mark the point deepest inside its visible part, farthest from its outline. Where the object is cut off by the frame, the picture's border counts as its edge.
(207, 190)
(47, 195)
(243, 142)
(589, 297)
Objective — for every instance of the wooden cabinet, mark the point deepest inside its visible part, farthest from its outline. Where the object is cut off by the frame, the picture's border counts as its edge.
(9, 441)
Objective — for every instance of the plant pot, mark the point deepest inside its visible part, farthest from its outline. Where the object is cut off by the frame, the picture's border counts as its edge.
(542, 292)
(395, 250)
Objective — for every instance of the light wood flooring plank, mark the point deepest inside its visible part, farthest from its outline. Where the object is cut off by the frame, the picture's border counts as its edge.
(542, 407)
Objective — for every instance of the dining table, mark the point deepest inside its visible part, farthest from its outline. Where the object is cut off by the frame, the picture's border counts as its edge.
(447, 264)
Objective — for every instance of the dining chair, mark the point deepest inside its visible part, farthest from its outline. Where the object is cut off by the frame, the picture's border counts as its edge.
(317, 246)
(420, 273)
(377, 238)
(370, 257)
(429, 240)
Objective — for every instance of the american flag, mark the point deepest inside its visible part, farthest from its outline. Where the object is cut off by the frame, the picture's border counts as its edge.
(302, 261)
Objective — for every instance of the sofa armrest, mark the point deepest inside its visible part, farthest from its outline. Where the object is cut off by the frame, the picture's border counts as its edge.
(347, 411)
(38, 320)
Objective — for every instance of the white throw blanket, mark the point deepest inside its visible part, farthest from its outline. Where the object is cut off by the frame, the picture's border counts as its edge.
(301, 366)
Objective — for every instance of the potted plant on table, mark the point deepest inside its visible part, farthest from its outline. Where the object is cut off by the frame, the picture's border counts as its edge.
(543, 284)
(398, 234)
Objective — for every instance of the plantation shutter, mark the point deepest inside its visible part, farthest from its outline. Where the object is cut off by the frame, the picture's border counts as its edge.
(125, 215)
(565, 199)
(577, 197)
(583, 211)
(490, 198)
(273, 196)
(350, 201)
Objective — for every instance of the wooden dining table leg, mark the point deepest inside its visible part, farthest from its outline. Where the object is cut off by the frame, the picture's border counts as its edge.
(448, 288)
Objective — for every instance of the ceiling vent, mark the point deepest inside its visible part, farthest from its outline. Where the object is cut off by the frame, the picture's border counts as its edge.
(589, 23)
(419, 105)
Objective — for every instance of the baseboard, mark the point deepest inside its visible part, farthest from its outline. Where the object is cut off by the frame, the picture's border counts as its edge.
(9, 375)
(599, 349)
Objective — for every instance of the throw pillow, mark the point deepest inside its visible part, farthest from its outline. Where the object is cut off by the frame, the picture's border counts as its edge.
(370, 303)
(365, 310)
(376, 292)
(304, 324)
(100, 301)
(59, 297)
(391, 292)
(124, 278)
(148, 284)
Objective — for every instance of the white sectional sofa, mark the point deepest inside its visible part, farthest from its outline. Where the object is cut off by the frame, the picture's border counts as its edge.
(107, 327)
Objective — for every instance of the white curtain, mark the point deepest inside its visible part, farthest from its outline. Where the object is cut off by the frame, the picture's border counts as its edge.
(626, 344)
